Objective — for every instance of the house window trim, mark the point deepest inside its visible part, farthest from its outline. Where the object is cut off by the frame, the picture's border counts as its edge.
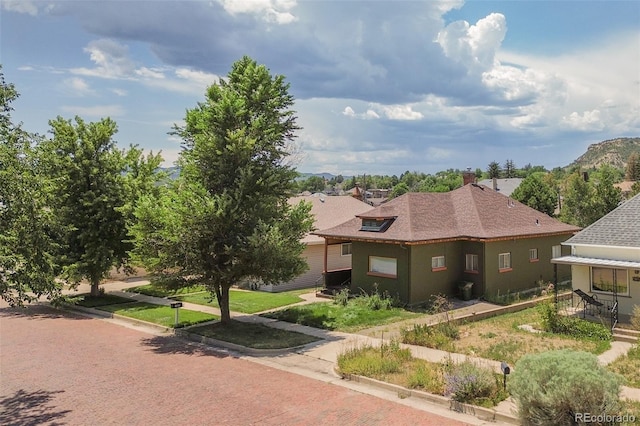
(559, 248)
(535, 257)
(477, 263)
(382, 274)
(342, 247)
(508, 268)
(609, 293)
(438, 268)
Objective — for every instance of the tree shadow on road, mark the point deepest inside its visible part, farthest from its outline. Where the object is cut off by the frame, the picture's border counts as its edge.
(38, 312)
(167, 345)
(30, 408)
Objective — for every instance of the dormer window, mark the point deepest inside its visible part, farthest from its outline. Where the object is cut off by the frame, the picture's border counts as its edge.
(376, 224)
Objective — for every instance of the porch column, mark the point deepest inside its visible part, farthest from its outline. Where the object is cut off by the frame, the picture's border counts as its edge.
(326, 254)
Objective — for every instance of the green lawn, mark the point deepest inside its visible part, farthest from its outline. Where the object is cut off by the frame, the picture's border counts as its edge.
(248, 302)
(330, 316)
(162, 315)
(257, 336)
(89, 301)
(159, 291)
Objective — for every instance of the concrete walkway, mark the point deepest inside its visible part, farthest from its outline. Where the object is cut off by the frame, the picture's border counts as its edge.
(315, 358)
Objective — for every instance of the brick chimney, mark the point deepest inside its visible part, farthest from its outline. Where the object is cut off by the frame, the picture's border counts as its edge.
(468, 177)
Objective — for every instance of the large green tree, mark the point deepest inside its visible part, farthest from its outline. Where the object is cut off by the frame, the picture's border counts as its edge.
(90, 193)
(632, 171)
(493, 170)
(226, 219)
(577, 200)
(27, 264)
(536, 193)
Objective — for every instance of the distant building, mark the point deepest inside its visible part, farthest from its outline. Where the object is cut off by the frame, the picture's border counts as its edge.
(503, 186)
(328, 211)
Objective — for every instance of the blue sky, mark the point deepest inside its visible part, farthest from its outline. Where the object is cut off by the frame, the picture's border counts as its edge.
(381, 87)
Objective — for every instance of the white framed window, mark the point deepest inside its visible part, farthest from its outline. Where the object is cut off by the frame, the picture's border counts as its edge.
(533, 255)
(608, 280)
(556, 251)
(385, 266)
(437, 262)
(504, 261)
(471, 262)
(345, 249)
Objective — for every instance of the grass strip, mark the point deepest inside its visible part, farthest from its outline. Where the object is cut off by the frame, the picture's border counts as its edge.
(248, 302)
(330, 316)
(89, 301)
(256, 336)
(157, 314)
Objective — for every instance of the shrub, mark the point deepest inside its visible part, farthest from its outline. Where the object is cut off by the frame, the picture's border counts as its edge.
(427, 378)
(439, 336)
(470, 383)
(376, 301)
(373, 362)
(342, 297)
(553, 322)
(551, 387)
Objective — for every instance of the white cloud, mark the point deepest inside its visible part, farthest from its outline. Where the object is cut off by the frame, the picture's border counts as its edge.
(112, 60)
(400, 112)
(274, 11)
(474, 45)
(587, 121)
(76, 86)
(349, 112)
(21, 6)
(120, 92)
(98, 111)
(200, 78)
(145, 72)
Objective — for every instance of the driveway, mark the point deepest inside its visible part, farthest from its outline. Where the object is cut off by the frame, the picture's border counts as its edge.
(59, 368)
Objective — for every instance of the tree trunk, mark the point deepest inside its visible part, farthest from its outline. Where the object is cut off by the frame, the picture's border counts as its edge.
(95, 287)
(222, 294)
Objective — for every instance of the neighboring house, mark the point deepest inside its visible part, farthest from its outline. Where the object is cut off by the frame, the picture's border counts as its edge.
(605, 257)
(420, 244)
(328, 211)
(504, 186)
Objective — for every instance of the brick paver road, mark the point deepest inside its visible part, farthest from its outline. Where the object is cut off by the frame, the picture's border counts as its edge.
(58, 368)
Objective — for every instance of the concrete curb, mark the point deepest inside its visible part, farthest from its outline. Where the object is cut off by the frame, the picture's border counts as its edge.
(235, 347)
(485, 414)
(105, 314)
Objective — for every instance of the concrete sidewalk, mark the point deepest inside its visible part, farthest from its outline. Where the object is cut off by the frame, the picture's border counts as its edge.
(320, 356)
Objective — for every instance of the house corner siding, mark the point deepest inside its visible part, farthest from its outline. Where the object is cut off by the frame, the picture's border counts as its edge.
(523, 274)
(362, 280)
(426, 282)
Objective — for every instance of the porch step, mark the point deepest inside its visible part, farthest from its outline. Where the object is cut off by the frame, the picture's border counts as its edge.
(626, 335)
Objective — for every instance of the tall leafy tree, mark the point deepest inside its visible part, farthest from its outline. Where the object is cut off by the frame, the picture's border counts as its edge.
(226, 219)
(493, 170)
(510, 169)
(606, 196)
(633, 168)
(27, 264)
(577, 200)
(89, 195)
(536, 193)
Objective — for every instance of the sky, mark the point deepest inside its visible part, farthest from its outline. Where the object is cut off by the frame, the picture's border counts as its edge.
(381, 87)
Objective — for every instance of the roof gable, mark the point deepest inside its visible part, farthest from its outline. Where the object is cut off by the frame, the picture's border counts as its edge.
(329, 211)
(619, 228)
(473, 211)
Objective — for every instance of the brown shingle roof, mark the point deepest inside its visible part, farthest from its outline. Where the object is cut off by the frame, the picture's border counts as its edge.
(473, 211)
(329, 211)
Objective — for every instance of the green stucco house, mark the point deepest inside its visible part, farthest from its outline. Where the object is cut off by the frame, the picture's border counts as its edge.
(421, 244)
